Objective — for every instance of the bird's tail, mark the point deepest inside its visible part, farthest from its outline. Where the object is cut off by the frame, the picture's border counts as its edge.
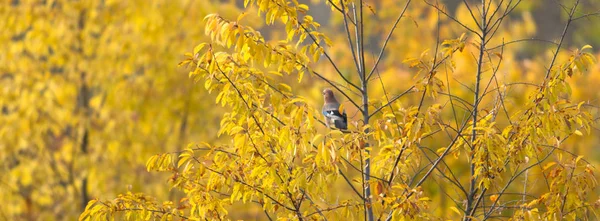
(342, 124)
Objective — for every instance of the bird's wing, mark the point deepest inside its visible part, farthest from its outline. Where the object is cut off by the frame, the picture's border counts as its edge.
(341, 124)
(334, 114)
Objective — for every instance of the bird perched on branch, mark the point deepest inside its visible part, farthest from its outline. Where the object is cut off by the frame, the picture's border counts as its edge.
(331, 111)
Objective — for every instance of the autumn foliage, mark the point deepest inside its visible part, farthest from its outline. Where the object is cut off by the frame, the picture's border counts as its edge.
(449, 118)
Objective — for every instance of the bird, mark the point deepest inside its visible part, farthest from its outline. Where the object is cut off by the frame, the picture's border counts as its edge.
(331, 111)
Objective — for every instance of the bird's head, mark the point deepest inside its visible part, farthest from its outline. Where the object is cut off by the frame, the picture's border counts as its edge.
(328, 95)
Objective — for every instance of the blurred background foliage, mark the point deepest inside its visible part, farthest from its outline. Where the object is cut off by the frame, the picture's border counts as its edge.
(89, 90)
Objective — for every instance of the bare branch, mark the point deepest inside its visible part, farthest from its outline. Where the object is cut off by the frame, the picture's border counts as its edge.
(392, 101)
(522, 40)
(328, 57)
(562, 38)
(354, 57)
(387, 39)
(454, 19)
(587, 15)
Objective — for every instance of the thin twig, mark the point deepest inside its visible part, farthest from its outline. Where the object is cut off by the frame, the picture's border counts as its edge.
(387, 39)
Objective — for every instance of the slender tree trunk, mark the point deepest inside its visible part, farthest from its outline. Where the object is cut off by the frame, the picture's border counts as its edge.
(473, 180)
(365, 110)
(84, 107)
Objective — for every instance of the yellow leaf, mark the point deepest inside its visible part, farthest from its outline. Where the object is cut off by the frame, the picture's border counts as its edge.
(586, 47)
(341, 108)
(578, 158)
(317, 139)
(241, 16)
(336, 133)
(284, 87)
(317, 54)
(297, 100)
(199, 47)
(150, 162)
(303, 7)
(236, 130)
(300, 75)
(455, 210)
(548, 165)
